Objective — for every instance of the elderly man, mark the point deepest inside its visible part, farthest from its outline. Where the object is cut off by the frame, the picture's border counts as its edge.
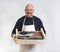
(33, 22)
(28, 22)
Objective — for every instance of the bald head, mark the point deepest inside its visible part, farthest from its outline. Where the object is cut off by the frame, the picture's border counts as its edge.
(29, 5)
(29, 10)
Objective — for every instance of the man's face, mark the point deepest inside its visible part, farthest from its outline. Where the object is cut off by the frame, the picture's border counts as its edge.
(29, 10)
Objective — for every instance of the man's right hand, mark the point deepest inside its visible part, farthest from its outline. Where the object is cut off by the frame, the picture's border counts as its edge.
(15, 38)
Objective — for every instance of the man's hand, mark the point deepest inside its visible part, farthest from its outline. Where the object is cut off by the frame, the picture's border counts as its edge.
(15, 38)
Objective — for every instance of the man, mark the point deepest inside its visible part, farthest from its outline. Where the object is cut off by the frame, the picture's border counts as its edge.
(28, 19)
(29, 22)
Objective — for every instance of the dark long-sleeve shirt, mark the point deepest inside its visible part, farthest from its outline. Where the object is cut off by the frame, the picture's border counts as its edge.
(29, 21)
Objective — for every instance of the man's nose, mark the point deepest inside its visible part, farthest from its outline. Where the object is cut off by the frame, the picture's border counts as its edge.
(28, 10)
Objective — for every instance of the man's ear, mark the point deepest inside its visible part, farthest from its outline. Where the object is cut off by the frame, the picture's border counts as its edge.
(33, 10)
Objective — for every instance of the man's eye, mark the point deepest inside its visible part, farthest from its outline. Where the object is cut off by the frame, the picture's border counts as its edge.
(30, 9)
(27, 9)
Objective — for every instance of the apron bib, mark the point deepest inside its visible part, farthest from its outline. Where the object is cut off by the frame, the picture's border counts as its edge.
(28, 27)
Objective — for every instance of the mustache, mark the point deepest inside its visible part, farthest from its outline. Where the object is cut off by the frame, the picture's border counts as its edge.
(29, 12)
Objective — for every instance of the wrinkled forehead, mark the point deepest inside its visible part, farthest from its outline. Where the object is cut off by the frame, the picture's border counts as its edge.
(29, 6)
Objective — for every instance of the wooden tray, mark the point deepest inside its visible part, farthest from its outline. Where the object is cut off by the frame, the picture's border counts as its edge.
(30, 41)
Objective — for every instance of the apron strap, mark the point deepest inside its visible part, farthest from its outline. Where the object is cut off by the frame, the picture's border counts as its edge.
(23, 24)
(33, 21)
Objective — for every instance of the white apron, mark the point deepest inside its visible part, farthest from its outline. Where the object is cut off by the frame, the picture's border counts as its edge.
(25, 48)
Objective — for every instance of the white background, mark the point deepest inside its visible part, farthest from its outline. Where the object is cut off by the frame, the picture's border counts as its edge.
(12, 10)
